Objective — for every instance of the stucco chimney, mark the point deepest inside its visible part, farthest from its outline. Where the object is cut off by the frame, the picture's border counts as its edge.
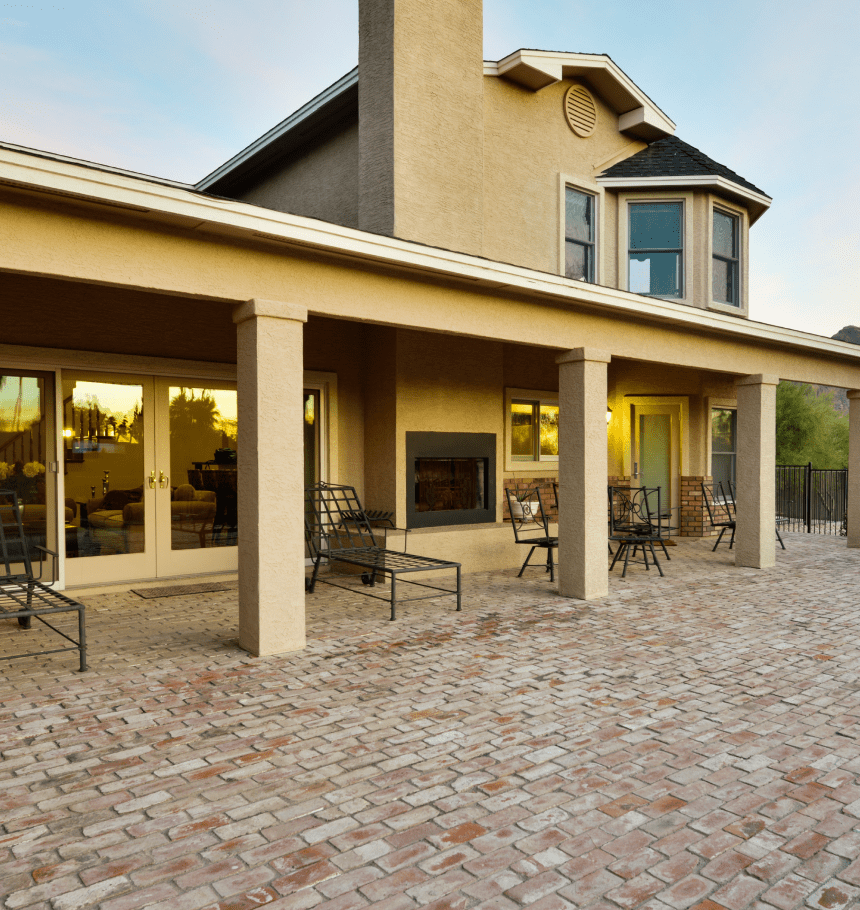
(420, 102)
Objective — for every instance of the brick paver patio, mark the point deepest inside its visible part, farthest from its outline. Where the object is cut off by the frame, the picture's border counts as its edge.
(687, 742)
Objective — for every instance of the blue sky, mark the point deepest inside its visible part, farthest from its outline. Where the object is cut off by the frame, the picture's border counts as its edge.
(767, 88)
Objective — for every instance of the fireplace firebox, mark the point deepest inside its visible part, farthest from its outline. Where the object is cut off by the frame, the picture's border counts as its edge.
(451, 479)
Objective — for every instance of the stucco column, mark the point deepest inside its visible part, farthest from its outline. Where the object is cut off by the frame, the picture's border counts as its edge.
(854, 468)
(271, 476)
(583, 571)
(755, 539)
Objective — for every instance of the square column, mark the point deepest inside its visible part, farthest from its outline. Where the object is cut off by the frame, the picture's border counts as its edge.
(854, 468)
(271, 476)
(755, 539)
(583, 571)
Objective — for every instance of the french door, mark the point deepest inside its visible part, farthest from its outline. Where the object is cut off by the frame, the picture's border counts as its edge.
(150, 466)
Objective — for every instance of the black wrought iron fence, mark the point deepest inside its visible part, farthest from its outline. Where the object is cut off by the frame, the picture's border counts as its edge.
(810, 499)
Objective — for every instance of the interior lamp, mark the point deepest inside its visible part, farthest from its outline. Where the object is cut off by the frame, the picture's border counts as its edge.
(68, 432)
(608, 415)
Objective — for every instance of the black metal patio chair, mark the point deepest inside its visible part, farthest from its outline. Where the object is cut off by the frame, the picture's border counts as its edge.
(779, 520)
(720, 505)
(531, 526)
(338, 531)
(636, 523)
(23, 595)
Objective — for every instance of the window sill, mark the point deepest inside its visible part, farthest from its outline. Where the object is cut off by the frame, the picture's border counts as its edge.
(728, 308)
(531, 467)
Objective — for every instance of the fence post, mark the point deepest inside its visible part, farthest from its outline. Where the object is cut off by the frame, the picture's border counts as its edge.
(807, 499)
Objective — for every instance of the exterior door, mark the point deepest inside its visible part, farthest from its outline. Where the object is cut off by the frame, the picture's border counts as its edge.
(196, 496)
(656, 437)
(108, 462)
(151, 466)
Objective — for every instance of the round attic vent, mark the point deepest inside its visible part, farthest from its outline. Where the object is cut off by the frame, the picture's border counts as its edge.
(580, 110)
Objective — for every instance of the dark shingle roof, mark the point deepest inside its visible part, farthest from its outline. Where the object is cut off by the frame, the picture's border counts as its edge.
(672, 157)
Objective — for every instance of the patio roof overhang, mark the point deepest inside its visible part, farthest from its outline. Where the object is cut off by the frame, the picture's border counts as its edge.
(80, 222)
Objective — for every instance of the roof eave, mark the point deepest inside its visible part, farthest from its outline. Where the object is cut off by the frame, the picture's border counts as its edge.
(303, 117)
(640, 118)
(756, 203)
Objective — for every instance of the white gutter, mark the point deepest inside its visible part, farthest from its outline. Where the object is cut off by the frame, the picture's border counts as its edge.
(207, 213)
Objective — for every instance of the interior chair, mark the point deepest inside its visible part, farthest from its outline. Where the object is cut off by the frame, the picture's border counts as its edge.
(531, 526)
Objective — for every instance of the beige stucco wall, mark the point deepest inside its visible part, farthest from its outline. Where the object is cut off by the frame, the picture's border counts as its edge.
(181, 263)
(320, 182)
(528, 148)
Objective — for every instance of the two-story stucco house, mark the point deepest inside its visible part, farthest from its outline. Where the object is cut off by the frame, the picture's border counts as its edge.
(514, 265)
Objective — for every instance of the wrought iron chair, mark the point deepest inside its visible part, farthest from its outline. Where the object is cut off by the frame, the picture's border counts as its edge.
(338, 531)
(22, 594)
(636, 523)
(722, 514)
(780, 520)
(720, 508)
(531, 526)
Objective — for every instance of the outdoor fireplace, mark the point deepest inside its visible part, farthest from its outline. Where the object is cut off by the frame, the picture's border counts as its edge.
(451, 479)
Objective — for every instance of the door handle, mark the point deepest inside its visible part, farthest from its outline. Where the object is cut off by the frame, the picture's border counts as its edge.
(152, 480)
(162, 480)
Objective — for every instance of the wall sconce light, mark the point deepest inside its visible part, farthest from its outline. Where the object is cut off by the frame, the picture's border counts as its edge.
(608, 415)
(68, 433)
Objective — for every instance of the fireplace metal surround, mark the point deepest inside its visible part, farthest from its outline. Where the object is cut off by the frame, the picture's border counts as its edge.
(451, 479)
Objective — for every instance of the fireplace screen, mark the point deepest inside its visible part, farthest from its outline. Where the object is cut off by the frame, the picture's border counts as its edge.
(447, 484)
(451, 479)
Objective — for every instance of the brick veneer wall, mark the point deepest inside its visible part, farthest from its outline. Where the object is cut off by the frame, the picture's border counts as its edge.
(694, 515)
(523, 484)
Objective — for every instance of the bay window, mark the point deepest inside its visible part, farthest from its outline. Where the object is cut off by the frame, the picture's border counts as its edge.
(656, 249)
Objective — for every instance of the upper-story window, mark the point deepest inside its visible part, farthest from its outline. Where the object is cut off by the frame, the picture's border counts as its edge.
(578, 235)
(725, 259)
(656, 251)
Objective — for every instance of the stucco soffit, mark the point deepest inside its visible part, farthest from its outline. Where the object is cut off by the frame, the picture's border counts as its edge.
(535, 70)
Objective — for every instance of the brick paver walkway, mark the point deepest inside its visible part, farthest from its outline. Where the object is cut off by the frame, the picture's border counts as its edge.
(687, 742)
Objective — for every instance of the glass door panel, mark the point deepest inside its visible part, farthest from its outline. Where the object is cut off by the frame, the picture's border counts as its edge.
(197, 502)
(26, 449)
(108, 459)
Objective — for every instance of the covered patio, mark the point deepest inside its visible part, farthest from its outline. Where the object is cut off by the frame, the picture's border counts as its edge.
(680, 740)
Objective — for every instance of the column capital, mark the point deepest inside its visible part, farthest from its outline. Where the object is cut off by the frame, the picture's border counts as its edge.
(578, 354)
(853, 393)
(758, 379)
(274, 309)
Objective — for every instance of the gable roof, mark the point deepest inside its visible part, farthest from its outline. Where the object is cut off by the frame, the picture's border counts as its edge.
(639, 116)
(331, 106)
(672, 162)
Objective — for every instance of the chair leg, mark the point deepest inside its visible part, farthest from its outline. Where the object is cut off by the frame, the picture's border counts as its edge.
(650, 544)
(617, 554)
(626, 546)
(779, 538)
(663, 545)
(714, 548)
(732, 541)
(550, 564)
(520, 575)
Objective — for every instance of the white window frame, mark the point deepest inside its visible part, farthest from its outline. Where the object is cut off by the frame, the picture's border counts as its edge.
(593, 189)
(727, 208)
(536, 396)
(625, 200)
(719, 404)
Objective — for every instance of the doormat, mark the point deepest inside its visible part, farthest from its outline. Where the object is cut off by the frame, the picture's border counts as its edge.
(177, 590)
